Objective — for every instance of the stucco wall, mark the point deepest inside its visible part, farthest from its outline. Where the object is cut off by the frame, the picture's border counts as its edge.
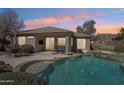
(39, 47)
(85, 43)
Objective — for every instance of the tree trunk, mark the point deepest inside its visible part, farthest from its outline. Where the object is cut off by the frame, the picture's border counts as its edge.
(15, 39)
(2, 45)
(3, 42)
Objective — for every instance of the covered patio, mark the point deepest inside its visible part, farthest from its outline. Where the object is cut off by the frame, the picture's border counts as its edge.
(50, 38)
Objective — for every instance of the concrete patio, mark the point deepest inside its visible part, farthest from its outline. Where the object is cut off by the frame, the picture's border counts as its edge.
(47, 55)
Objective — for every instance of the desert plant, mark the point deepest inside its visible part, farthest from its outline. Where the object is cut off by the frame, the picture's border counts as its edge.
(119, 48)
(5, 67)
(121, 34)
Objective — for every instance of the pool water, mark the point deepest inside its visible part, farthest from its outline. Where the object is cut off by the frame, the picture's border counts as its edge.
(84, 71)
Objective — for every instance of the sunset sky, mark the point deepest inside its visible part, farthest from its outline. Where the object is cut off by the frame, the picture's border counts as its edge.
(107, 20)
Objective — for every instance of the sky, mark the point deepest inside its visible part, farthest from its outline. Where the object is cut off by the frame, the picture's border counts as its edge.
(108, 20)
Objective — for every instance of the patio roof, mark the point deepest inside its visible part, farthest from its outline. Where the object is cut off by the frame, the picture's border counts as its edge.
(80, 35)
(53, 31)
(45, 30)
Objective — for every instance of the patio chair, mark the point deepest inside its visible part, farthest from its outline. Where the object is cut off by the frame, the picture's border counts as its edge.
(60, 49)
(15, 51)
(8, 52)
(20, 51)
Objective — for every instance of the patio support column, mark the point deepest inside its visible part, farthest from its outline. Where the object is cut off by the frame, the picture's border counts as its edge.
(26, 41)
(88, 44)
(67, 44)
(56, 42)
(74, 44)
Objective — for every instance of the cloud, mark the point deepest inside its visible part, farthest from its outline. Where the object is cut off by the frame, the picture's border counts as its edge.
(51, 20)
(47, 21)
(102, 26)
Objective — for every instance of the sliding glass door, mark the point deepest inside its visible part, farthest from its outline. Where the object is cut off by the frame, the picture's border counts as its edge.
(61, 41)
(81, 44)
(50, 43)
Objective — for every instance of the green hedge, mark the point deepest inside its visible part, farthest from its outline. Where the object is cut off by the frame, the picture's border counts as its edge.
(119, 48)
(20, 78)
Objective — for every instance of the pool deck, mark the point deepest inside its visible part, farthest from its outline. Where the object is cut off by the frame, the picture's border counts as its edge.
(47, 55)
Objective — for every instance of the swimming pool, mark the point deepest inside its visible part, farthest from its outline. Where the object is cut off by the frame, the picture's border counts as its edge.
(84, 71)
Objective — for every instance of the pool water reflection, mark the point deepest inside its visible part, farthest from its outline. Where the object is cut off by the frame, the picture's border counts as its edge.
(84, 71)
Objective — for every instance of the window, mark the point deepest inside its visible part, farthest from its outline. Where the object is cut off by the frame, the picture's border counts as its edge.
(21, 40)
(40, 42)
(61, 41)
(30, 37)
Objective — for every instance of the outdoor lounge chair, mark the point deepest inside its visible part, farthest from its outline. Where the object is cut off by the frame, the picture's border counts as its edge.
(60, 49)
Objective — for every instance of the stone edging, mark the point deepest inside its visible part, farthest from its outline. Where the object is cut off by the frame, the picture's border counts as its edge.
(19, 67)
(114, 57)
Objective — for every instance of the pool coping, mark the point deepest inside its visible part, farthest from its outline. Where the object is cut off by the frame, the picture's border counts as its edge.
(112, 57)
(19, 67)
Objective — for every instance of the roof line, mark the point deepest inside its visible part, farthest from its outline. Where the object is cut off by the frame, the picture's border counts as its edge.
(45, 27)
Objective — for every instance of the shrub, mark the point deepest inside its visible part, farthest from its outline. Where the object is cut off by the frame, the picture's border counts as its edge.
(119, 48)
(104, 47)
(27, 48)
(5, 67)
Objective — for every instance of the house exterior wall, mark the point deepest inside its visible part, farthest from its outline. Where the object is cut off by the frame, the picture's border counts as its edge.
(68, 46)
(39, 47)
